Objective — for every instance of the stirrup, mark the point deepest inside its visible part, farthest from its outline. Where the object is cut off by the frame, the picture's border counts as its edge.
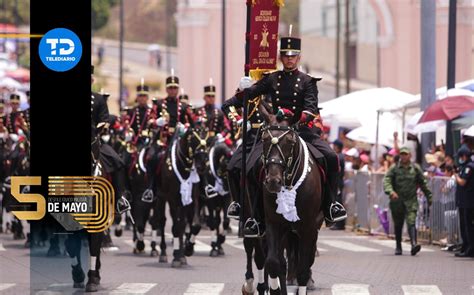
(331, 218)
(210, 191)
(123, 205)
(148, 196)
(234, 206)
(255, 224)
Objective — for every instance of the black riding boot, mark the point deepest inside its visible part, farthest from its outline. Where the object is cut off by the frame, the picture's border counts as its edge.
(415, 248)
(333, 210)
(398, 239)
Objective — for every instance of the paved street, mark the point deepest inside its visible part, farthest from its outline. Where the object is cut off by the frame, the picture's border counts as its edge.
(348, 264)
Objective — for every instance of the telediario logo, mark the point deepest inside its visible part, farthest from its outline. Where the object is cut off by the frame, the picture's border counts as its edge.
(60, 49)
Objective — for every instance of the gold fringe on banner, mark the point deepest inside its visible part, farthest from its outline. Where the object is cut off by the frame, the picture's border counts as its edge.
(279, 3)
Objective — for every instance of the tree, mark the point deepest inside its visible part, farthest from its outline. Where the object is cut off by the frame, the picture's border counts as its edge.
(8, 14)
(100, 12)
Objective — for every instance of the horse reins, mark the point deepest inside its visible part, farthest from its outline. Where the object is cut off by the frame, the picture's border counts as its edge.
(287, 164)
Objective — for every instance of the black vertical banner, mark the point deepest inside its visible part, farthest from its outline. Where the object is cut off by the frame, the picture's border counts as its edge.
(60, 118)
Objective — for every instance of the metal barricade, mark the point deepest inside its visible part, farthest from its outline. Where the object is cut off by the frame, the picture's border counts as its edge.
(368, 208)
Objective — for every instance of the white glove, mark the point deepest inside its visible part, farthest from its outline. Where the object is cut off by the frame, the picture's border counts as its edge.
(161, 122)
(180, 128)
(241, 121)
(105, 138)
(245, 82)
(220, 138)
(14, 137)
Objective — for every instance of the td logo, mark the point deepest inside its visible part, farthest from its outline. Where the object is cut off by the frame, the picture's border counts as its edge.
(60, 49)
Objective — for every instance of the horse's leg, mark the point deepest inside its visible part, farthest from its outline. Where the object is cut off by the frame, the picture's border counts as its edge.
(221, 233)
(193, 220)
(73, 249)
(259, 258)
(282, 275)
(212, 223)
(272, 262)
(306, 254)
(248, 287)
(141, 217)
(154, 222)
(160, 226)
(95, 241)
(292, 258)
(176, 213)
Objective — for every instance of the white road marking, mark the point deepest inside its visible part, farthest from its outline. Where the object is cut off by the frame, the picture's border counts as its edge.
(204, 288)
(405, 246)
(421, 290)
(350, 289)
(236, 243)
(133, 288)
(348, 246)
(201, 247)
(4, 286)
(292, 290)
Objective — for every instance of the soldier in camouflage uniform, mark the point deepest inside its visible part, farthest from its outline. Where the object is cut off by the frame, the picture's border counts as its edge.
(401, 183)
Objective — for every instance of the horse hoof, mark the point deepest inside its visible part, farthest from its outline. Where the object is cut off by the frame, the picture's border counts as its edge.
(154, 253)
(311, 285)
(261, 288)
(140, 245)
(245, 292)
(214, 253)
(183, 261)
(221, 251)
(176, 263)
(248, 287)
(163, 259)
(189, 249)
(118, 232)
(137, 251)
(78, 285)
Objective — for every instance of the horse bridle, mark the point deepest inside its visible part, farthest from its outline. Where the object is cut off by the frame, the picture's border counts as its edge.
(287, 164)
(201, 148)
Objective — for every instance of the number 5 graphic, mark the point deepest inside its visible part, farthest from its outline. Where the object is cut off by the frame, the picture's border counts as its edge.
(17, 182)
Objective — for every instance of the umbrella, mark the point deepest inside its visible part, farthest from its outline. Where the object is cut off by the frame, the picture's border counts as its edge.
(8, 82)
(470, 131)
(448, 108)
(20, 74)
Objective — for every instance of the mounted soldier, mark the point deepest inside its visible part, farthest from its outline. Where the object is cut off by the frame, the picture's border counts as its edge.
(210, 115)
(294, 94)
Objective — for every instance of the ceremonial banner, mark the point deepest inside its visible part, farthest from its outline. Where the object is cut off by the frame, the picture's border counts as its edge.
(263, 35)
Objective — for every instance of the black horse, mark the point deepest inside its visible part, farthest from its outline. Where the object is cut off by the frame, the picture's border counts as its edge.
(292, 202)
(217, 196)
(182, 165)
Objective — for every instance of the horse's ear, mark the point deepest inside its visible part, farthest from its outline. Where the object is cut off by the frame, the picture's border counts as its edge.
(265, 111)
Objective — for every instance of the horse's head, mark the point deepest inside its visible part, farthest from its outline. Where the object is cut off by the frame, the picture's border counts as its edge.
(280, 148)
(222, 155)
(195, 144)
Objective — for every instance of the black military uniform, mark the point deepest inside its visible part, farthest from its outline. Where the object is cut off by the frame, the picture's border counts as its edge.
(211, 116)
(141, 118)
(11, 120)
(173, 109)
(297, 92)
(465, 202)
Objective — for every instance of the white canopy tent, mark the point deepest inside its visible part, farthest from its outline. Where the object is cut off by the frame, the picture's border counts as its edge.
(360, 108)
